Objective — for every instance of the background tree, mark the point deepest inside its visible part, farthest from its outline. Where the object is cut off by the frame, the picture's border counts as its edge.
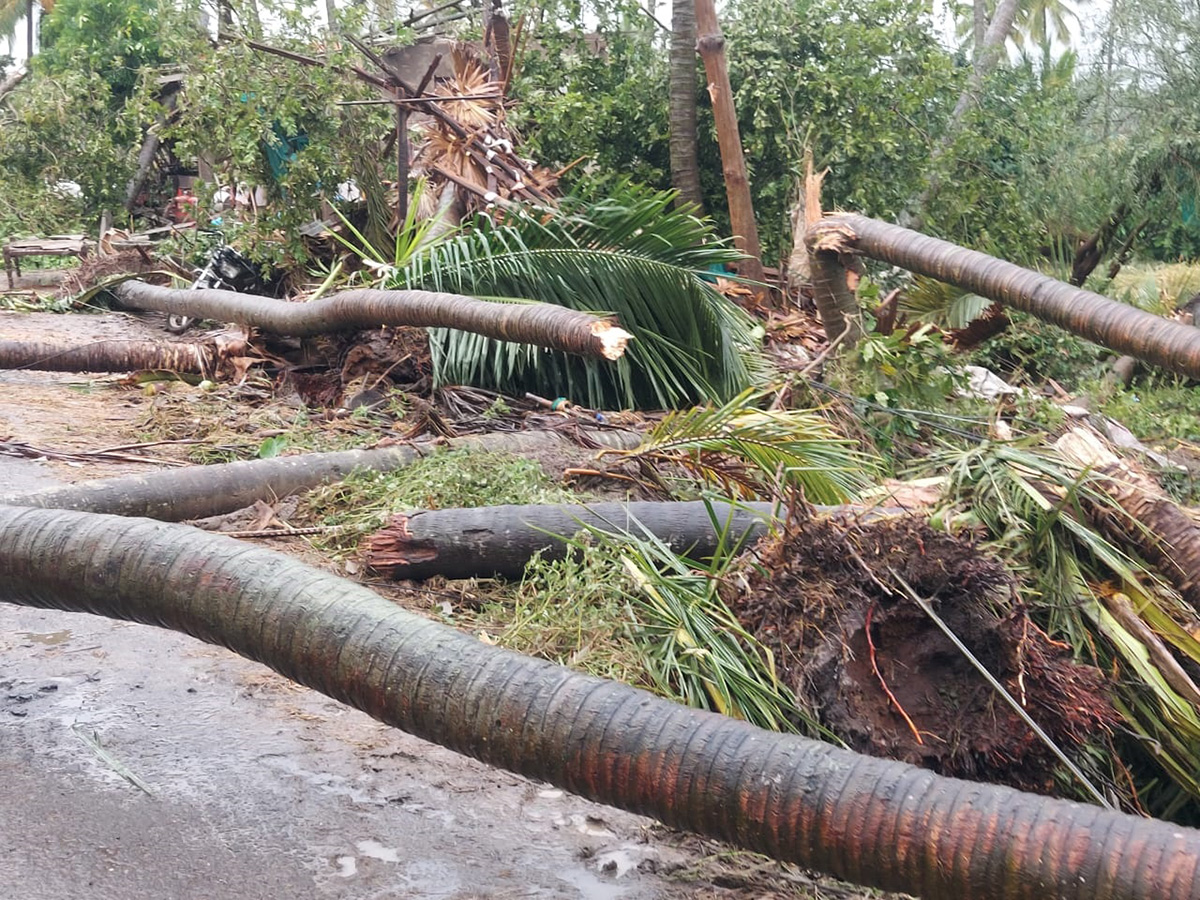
(685, 163)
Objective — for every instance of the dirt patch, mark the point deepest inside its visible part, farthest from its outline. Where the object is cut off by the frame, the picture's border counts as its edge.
(832, 602)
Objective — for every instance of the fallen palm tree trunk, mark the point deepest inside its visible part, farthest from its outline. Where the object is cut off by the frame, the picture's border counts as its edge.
(541, 324)
(1163, 532)
(191, 358)
(200, 491)
(500, 540)
(867, 820)
(1126, 329)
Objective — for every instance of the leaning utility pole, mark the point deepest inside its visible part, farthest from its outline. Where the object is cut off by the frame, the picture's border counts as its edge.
(711, 45)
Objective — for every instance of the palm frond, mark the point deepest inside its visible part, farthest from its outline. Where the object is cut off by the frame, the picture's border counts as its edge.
(941, 304)
(763, 453)
(1032, 502)
(695, 648)
(631, 257)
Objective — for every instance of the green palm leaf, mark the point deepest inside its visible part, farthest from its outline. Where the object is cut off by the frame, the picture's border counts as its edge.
(632, 256)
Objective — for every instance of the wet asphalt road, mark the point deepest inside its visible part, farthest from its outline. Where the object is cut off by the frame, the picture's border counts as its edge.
(258, 788)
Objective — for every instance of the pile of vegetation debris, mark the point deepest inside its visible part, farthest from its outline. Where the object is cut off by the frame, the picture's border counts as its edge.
(853, 612)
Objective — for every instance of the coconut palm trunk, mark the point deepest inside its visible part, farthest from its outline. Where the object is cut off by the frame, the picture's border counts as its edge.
(1163, 532)
(1125, 329)
(197, 492)
(871, 821)
(191, 358)
(681, 102)
(541, 324)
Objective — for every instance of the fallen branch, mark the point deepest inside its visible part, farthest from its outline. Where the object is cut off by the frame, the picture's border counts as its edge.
(201, 491)
(542, 324)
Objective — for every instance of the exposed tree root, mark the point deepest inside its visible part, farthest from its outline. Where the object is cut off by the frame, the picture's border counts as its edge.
(830, 601)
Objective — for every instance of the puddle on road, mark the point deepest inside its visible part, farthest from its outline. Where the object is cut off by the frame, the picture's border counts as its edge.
(376, 850)
(592, 887)
(49, 638)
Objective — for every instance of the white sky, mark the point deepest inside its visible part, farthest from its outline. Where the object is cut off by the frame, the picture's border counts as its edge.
(1091, 15)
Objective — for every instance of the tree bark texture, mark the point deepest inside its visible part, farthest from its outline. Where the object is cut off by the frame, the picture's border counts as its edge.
(201, 491)
(542, 324)
(837, 304)
(1119, 327)
(1163, 532)
(870, 821)
(111, 356)
(711, 45)
(681, 102)
(500, 540)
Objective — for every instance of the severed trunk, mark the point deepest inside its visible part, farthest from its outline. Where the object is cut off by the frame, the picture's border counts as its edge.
(500, 540)
(1126, 329)
(837, 304)
(117, 356)
(681, 103)
(1164, 533)
(201, 491)
(542, 324)
(733, 163)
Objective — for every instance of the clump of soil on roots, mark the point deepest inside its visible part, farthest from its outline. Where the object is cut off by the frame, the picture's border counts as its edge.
(861, 652)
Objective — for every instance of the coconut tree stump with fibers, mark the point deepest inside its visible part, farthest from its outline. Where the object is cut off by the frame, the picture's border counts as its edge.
(542, 324)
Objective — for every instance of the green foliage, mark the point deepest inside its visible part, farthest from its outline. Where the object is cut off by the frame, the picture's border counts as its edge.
(760, 453)
(61, 129)
(630, 254)
(1160, 408)
(363, 502)
(239, 103)
(592, 84)
(937, 303)
(1032, 351)
(571, 611)
(1000, 179)
(864, 84)
(913, 368)
(115, 39)
(696, 649)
